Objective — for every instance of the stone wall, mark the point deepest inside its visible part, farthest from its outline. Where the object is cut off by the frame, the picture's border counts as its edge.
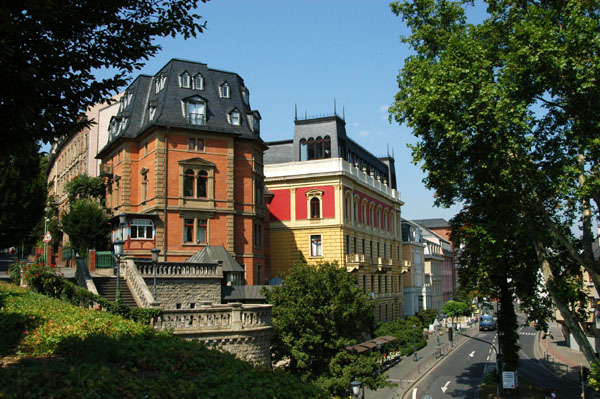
(252, 346)
(185, 293)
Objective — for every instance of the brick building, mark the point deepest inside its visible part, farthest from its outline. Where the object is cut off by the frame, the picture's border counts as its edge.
(184, 163)
(335, 201)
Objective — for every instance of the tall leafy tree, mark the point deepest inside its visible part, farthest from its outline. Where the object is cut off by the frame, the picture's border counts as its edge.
(51, 49)
(505, 113)
(85, 186)
(86, 225)
(317, 312)
(22, 195)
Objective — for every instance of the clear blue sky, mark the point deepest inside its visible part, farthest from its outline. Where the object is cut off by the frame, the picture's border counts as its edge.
(308, 53)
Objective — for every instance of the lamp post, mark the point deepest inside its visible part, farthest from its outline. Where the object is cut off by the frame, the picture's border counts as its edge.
(355, 386)
(118, 247)
(46, 210)
(378, 345)
(415, 357)
(436, 325)
(155, 252)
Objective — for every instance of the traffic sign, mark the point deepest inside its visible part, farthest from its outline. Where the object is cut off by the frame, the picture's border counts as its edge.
(47, 237)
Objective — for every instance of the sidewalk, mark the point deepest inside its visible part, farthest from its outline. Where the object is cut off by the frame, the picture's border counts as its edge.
(407, 371)
(557, 356)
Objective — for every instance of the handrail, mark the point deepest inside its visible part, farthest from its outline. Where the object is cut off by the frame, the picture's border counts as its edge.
(233, 317)
(179, 269)
(83, 276)
(140, 290)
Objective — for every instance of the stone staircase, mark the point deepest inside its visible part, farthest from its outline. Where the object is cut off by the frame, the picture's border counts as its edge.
(107, 287)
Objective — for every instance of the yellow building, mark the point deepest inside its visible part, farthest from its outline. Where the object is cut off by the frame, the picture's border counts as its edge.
(335, 202)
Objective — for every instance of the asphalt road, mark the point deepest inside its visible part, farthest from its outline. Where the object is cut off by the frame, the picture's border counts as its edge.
(461, 371)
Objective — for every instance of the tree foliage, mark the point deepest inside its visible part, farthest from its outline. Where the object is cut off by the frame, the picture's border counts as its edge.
(51, 50)
(505, 113)
(86, 225)
(85, 186)
(317, 312)
(454, 309)
(22, 195)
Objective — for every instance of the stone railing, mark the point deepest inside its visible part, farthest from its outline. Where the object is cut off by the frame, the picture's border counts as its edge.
(232, 317)
(138, 286)
(83, 277)
(179, 269)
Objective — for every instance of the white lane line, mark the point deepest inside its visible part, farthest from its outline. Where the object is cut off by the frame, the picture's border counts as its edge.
(414, 395)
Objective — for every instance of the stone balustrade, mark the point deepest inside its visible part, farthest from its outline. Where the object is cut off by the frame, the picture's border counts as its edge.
(138, 286)
(179, 269)
(233, 317)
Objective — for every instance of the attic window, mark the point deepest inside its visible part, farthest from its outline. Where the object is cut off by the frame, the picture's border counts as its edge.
(195, 112)
(199, 82)
(246, 96)
(234, 118)
(185, 80)
(152, 112)
(225, 90)
(160, 82)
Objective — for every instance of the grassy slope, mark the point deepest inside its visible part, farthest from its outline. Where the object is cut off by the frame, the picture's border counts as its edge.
(51, 349)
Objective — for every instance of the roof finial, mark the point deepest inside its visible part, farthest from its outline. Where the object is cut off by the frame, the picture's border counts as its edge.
(305, 114)
(295, 111)
(334, 110)
(388, 149)
(344, 113)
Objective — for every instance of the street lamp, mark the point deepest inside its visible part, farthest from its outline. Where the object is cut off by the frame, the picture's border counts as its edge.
(46, 220)
(415, 358)
(378, 345)
(155, 252)
(355, 385)
(436, 325)
(118, 246)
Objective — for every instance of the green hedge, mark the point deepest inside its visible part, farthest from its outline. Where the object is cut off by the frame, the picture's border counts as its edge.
(58, 350)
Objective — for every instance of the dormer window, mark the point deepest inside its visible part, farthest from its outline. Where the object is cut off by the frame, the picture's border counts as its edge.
(196, 112)
(185, 80)
(234, 118)
(225, 90)
(199, 82)
(160, 82)
(246, 97)
(151, 112)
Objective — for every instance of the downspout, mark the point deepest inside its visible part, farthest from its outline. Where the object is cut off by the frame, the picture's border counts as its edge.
(165, 193)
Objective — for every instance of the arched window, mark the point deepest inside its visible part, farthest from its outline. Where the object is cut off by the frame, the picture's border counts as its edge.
(303, 150)
(198, 82)
(188, 183)
(234, 118)
(225, 90)
(201, 184)
(327, 147)
(184, 80)
(311, 148)
(319, 148)
(315, 208)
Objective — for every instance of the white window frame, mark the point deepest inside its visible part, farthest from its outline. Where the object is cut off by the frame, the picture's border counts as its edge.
(138, 226)
(316, 245)
(237, 121)
(225, 90)
(198, 82)
(185, 80)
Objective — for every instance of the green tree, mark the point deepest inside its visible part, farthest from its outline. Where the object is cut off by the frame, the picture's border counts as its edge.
(51, 51)
(86, 225)
(317, 312)
(505, 112)
(84, 186)
(22, 195)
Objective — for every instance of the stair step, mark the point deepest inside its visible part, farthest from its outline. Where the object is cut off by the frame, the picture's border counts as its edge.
(107, 287)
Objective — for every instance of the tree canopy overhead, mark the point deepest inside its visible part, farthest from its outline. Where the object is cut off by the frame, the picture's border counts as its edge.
(505, 113)
(50, 50)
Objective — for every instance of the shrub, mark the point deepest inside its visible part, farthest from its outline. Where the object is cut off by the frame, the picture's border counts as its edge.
(14, 272)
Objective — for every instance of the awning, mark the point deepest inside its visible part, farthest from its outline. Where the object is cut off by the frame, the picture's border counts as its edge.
(370, 344)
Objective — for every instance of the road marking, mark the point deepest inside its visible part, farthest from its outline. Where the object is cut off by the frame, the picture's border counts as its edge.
(445, 387)
(472, 354)
(414, 395)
